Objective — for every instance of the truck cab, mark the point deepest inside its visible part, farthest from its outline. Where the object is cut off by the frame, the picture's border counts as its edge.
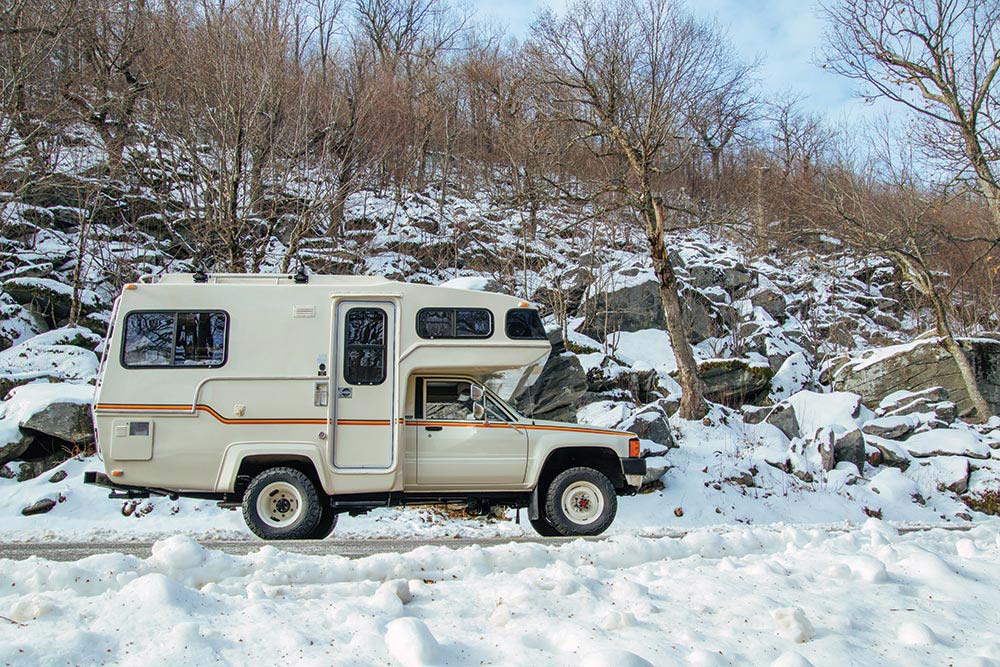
(300, 398)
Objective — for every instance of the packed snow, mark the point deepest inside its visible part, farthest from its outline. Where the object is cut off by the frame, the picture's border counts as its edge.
(730, 596)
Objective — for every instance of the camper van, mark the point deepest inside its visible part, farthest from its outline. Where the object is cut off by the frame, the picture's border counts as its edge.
(297, 398)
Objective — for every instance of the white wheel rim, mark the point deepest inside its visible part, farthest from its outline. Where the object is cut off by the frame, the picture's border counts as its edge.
(582, 503)
(279, 504)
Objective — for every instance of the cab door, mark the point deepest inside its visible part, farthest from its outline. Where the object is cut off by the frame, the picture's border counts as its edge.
(363, 402)
(461, 445)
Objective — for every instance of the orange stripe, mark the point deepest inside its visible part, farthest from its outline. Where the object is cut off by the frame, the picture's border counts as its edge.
(351, 422)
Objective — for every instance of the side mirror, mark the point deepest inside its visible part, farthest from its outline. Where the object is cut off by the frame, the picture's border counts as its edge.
(476, 392)
(478, 411)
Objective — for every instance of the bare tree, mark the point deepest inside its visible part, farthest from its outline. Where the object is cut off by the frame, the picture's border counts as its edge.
(938, 58)
(882, 209)
(623, 72)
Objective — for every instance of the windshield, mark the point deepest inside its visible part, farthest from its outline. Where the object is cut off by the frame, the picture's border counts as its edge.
(493, 398)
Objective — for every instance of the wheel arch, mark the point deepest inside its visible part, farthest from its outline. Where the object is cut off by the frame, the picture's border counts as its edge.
(242, 461)
(603, 459)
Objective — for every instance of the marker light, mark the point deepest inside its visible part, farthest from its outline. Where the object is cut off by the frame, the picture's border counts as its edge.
(117, 473)
(633, 448)
(130, 286)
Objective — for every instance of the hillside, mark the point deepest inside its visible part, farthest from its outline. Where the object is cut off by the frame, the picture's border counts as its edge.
(773, 334)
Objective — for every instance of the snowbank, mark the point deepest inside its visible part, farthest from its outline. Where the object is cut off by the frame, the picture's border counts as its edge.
(722, 597)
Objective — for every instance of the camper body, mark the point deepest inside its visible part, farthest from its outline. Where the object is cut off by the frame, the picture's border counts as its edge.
(300, 399)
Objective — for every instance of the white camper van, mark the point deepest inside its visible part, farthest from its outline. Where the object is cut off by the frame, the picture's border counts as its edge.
(299, 398)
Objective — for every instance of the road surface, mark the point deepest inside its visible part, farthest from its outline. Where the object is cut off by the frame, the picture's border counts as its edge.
(351, 548)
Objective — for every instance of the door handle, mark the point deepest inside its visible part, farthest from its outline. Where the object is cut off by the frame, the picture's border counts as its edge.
(432, 428)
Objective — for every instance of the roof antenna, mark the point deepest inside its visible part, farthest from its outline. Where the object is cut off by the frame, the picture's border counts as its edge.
(301, 277)
(200, 276)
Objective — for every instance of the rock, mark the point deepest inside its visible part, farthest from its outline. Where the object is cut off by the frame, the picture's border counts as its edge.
(39, 466)
(58, 476)
(610, 376)
(557, 392)
(734, 382)
(653, 475)
(49, 299)
(40, 507)
(651, 423)
(889, 457)
(947, 442)
(850, 447)
(890, 428)
(773, 303)
(783, 417)
(13, 450)
(69, 422)
(735, 280)
(923, 365)
(638, 307)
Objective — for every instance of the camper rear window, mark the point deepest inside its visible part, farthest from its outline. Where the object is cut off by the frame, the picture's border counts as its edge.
(454, 323)
(171, 339)
(364, 347)
(525, 324)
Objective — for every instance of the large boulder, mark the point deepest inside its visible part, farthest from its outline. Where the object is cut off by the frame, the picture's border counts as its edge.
(651, 423)
(557, 392)
(65, 421)
(15, 447)
(49, 299)
(922, 365)
(734, 382)
(772, 302)
(637, 306)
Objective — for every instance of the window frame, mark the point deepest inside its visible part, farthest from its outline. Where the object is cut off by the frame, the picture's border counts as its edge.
(454, 323)
(420, 401)
(173, 348)
(506, 324)
(385, 347)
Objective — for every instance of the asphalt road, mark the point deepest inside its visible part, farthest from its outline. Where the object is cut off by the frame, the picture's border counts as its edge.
(351, 548)
(67, 551)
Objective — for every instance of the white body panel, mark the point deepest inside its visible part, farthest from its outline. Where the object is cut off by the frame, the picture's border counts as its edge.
(286, 350)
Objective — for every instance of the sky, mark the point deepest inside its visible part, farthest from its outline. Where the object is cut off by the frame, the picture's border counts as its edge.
(785, 35)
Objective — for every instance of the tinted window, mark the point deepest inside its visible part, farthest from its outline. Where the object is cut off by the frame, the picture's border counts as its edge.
(454, 323)
(435, 323)
(364, 346)
(525, 324)
(167, 339)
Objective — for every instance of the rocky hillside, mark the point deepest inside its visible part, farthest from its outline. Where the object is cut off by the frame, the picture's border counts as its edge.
(774, 335)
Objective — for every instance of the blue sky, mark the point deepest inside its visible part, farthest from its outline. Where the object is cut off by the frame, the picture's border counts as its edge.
(785, 34)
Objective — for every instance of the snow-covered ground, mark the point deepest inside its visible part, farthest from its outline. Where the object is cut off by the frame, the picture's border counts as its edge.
(734, 596)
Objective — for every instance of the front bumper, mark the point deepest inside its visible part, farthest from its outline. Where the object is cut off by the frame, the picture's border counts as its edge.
(635, 470)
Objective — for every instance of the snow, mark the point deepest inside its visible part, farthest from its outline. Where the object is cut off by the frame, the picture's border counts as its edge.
(476, 283)
(815, 410)
(947, 441)
(644, 349)
(732, 596)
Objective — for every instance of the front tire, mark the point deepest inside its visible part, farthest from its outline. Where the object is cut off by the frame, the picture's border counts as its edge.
(580, 501)
(544, 528)
(282, 504)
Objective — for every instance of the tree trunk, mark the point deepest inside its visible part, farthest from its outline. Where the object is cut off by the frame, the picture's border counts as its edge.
(923, 281)
(693, 405)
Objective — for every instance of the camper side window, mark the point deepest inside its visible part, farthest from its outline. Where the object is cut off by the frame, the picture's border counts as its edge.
(525, 324)
(364, 346)
(454, 323)
(171, 339)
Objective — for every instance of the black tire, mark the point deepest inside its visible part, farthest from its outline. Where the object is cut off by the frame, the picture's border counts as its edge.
(327, 522)
(299, 488)
(596, 483)
(544, 528)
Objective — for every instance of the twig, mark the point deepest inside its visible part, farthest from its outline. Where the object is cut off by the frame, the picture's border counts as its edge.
(11, 620)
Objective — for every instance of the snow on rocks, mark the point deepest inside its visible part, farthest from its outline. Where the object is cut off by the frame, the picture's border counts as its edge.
(845, 596)
(947, 442)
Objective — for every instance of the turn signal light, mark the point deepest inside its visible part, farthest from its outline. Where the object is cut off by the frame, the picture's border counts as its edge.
(633, 448)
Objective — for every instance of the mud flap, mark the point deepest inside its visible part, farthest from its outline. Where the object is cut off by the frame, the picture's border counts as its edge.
(533, 505)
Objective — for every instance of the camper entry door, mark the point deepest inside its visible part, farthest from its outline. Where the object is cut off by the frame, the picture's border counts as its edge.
(364, 381)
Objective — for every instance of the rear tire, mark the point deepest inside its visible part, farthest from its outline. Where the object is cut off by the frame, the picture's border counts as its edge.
(580, 501)
(327, 522)
(282, 504)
